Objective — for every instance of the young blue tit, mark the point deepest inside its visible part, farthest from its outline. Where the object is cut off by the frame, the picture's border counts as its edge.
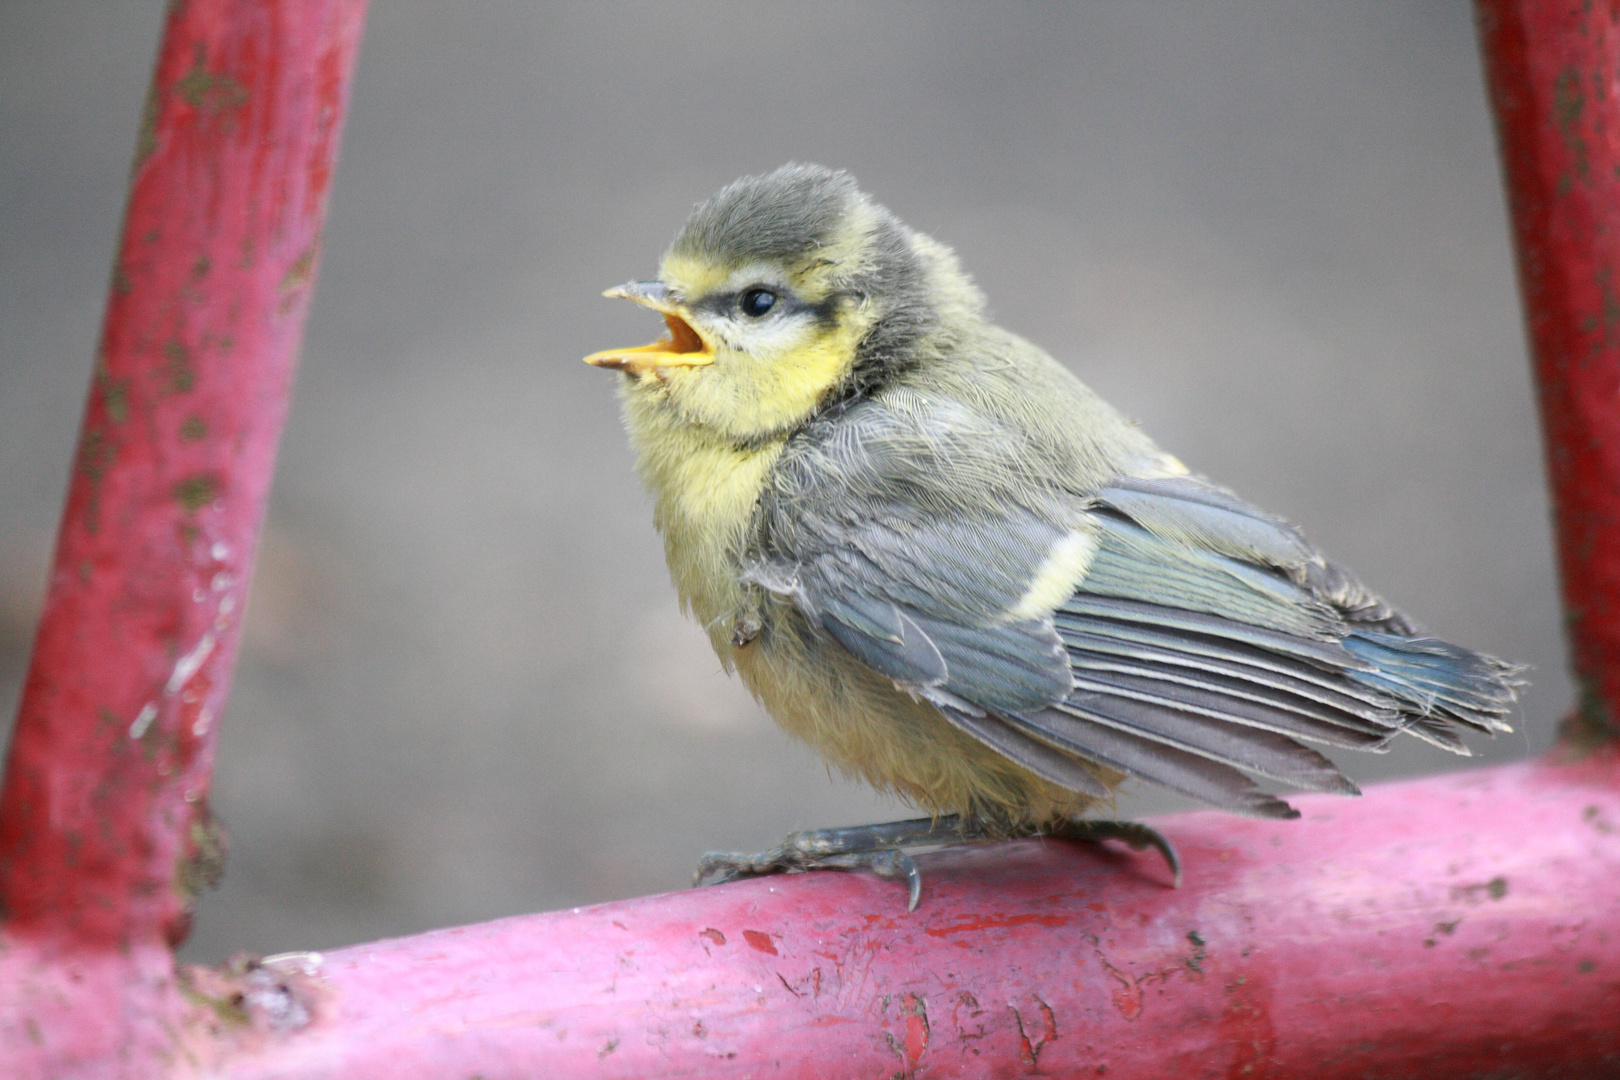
(934, 555)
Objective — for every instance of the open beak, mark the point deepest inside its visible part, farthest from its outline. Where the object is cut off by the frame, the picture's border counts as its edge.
(684, 347)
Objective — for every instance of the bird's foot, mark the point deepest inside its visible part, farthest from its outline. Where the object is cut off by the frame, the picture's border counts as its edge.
(862, 847)
(878, 848)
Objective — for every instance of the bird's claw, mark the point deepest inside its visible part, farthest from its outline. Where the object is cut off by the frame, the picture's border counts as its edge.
(888, 863)
(1135, 835)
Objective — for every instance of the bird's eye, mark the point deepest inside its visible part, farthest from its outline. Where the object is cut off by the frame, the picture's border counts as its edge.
(756, 302)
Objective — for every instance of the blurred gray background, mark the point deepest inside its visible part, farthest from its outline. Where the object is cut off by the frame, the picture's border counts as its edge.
(1272, 232)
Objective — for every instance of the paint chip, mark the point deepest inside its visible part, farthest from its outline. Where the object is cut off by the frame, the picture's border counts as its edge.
(143, 720)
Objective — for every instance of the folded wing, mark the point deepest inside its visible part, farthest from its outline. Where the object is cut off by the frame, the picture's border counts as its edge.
(1162, 627)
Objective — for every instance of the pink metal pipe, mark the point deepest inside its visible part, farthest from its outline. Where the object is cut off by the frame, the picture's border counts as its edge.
(1553, 70)
(104, 828)
(1461, 926)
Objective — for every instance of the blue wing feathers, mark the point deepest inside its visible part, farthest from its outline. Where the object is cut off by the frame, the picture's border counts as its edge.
(1205, 637)
(1232, 701)
(1233, 668)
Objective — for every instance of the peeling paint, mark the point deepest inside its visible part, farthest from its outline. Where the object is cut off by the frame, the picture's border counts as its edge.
(202, 863)
(211, 93)
(1569, 101)
(114, 393)
(95, 457)
(1034, 1035)
(107, 775)
(299, 273)
(146, 131)
(189, 664)
(1495, 889)
(143, 720)
(987, 922)
(1550, 70)
(178, 373)
(1195, 962)
(916, 1013)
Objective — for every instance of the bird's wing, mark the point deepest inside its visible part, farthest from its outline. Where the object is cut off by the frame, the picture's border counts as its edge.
(934, 604)
(1211, 627)
(904, 530)
(1162, 627)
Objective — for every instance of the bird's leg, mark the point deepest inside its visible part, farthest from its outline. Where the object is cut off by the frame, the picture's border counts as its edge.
(879, 848)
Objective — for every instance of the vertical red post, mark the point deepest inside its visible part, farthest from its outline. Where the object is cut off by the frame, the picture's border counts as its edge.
(1553, 72)
(104, 827)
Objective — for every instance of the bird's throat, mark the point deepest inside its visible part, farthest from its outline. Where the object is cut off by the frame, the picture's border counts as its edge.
(705, 487)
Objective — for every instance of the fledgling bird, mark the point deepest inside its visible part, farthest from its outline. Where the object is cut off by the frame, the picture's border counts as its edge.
(938, 558)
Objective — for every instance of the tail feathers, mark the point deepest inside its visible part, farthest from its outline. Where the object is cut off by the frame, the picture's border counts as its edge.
(1157, 687)
(1437, 681)
(1438, 732)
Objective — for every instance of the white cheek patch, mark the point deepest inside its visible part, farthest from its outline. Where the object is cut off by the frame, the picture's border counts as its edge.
(769, 339)
(1057, 577)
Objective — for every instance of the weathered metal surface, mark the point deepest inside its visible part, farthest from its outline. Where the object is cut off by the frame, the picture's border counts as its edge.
(1553, 70)
(1460, 926)
(104, 828)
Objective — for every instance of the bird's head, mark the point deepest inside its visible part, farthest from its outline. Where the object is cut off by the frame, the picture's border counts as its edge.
(782, 292)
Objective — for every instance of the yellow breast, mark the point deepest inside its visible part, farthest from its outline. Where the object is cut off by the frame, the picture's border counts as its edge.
(705, 489)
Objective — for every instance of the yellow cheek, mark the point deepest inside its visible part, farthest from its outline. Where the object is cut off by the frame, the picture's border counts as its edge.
(787, 387)
(745, 396)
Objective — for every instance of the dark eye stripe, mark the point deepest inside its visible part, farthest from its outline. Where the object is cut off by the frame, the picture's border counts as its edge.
(728, 303)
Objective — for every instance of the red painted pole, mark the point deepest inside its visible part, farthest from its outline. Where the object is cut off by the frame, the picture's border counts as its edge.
(1553, 71)
(105, 834)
